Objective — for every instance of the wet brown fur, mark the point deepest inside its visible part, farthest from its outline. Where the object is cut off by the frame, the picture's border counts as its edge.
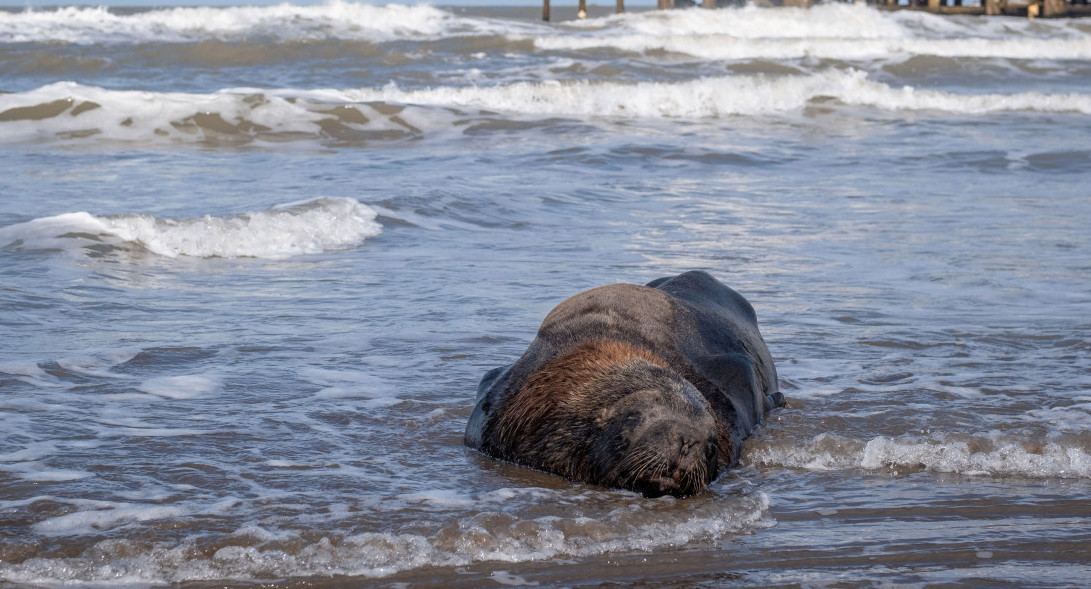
(549, 411)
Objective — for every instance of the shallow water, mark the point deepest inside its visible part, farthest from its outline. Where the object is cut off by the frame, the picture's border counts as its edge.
(255, 260)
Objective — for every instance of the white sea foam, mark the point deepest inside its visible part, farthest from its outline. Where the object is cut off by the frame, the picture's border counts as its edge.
(968, 456)
(310, 227)
(348, 384)
(85, 522)
(828, 31)
(30, 373)
(334, 20)
(33, 451)
(23, 369)
(832, 30)
(485, 536)
(1075, 418)
(101, 362)
(715, 97)
(751, 22)
(717, 48)
(67, 110)
(32, 471)
(243, 115)
(181, 387)
(25, 464)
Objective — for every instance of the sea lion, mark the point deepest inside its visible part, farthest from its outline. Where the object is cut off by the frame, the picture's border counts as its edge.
(648, 388)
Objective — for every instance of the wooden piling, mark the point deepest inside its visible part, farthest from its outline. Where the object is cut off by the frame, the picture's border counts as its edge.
(620, 6)
(1051, 8)
(545, 10)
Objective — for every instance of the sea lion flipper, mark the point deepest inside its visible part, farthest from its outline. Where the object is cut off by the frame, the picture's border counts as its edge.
(487, 394)
(737, 380)
(774, 400)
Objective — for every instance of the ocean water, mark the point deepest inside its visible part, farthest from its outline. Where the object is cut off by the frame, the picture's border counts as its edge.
(254, 260)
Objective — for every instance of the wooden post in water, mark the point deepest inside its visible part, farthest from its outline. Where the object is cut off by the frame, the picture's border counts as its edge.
(620, 6)
(545, 9)
(708, 3)
(933, 5)
(582, 14)
(1054, 8)
(992, 7)
(665, 4)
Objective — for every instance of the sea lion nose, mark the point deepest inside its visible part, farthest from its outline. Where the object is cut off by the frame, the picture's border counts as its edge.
(681, 443)
(690, 452)
(687, 444)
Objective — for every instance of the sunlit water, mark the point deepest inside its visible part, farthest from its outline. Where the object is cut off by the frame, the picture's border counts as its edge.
(253, 262)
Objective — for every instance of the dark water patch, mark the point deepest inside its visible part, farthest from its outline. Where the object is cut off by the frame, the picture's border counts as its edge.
(907, 344)
(986, 162)
(938, 70)
(580, 156)
(764, 66)
(217, 53)
(706, 156)
(164, 359)
(720, 158)
(53, 62)
(38, 112)
(1065, 162)
(491, 125)
(884, 377)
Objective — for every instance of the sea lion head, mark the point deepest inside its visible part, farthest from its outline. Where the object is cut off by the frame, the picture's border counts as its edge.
(657, 436)
(612, 414)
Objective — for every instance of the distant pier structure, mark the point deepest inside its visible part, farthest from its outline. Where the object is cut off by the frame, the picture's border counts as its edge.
(1025, 8)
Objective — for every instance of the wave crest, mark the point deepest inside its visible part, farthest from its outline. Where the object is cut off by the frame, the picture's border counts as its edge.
(336, 19)
(966, 455)
(255, 552)
(67, 111)
(283, 231)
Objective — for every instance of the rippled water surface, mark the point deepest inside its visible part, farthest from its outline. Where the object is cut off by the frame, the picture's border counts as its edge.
(253, 262)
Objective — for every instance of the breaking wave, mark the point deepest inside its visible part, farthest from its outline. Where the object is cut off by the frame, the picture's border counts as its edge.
(965, 455)
(253, 551)
(283, 231)
(67, 111)
(333, 20)
(827, 31)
